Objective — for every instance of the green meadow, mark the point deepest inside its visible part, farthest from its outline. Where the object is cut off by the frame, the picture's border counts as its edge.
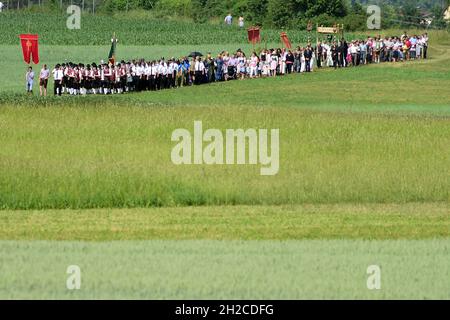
(119, 156)
(377, 134)
(364, 178)
(207, 269)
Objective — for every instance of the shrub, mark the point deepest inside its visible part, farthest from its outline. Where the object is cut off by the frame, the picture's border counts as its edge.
(174, 7)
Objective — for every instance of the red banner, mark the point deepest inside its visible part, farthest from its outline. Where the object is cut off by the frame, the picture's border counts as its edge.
(285, 40)
(254, 35)
(30, 47)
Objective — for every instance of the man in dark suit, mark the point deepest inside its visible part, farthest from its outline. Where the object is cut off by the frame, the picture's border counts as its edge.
(308, 53)
(334, 54)
(319, 51)
(343, 49)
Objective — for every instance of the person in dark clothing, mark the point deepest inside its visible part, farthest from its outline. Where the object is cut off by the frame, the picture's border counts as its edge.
(334, 55)
(308, 53)
(289, 61)
(297, 60)
(319, 52)
(343, 49)
(209, 65)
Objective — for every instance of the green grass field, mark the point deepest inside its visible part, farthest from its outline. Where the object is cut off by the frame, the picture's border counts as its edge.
(413, 221)
(206, 269)
(364, 179)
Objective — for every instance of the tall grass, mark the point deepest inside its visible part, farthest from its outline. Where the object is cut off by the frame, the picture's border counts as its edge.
(119, 156)
(90, 152)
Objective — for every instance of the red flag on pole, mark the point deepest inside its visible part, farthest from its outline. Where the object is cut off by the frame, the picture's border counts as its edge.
(285, 40)
(30, 47)
(254, 35)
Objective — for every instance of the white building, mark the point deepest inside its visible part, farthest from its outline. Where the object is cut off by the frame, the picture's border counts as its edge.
(447, 14)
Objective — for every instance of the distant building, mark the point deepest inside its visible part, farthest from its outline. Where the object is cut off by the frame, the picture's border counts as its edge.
(447, 14)
(426, 17)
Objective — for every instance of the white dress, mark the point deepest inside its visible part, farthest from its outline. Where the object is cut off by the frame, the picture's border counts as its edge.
(303, 63)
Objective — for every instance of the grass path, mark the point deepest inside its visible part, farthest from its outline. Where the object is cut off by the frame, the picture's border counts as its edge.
(373, 221)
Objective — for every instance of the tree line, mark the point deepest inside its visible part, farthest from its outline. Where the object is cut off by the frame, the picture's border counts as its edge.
(294, 13)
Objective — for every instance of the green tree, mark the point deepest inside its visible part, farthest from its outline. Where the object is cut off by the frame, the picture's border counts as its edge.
(256, 11)
(313, 8)
(279, 13)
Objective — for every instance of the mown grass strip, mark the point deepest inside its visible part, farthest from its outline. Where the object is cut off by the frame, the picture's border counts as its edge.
(375, 221)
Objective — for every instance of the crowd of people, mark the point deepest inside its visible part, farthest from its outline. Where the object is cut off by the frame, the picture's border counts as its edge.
(140, 75)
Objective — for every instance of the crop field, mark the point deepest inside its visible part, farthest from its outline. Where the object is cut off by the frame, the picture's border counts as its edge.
(130, 29)
(364, 176)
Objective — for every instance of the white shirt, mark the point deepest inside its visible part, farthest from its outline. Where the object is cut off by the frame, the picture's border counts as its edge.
(163, 69)
(57, 74)
(140, 70)
(148, 70)
(170, 68)
(199, 66)
(155, 70)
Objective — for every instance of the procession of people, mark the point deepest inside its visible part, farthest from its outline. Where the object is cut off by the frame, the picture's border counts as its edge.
(141, 75)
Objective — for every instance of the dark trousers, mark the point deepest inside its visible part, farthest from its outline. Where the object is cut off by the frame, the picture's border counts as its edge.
(198, 77)
(136, 83)
(289, 68)
(151, 83)
(308, 65)
(57, 87)
(174, 79)
(161, 82)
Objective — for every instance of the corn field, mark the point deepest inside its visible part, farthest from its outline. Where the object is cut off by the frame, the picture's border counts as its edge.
(85, 5)
(130, 29)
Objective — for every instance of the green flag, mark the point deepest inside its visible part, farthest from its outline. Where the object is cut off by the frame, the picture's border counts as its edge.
(112, 51)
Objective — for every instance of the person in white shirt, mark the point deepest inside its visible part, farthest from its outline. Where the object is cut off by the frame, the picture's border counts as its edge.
(241, 22)
(58, 75)
(199, 71)
(1, 6)
(162, 74)
(43, 80)
(174, 72)
(140, 70)
(153, 75)
(253, 65)
(283, 61)
(148, 74)
(170, 74)
(229, 19)
(29, 77)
